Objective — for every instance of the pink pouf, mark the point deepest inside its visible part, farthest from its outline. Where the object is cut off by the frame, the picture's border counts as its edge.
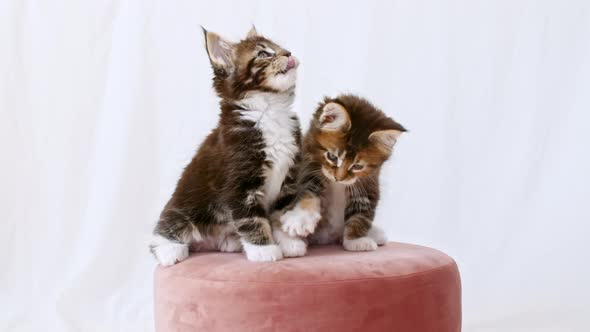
(399, 287)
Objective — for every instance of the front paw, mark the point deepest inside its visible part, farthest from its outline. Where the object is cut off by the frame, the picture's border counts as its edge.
(264, 253)
(361, 244)
(290, 246)
(293, 247)
(300, 222)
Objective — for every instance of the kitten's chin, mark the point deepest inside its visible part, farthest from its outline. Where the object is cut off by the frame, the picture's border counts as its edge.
(283, 82)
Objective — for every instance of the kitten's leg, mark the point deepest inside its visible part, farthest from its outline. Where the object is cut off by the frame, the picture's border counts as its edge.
(304, 208)
(172, 237)
(250, 221)
(303, 218)
(377, 234)
(291, 246)
(251, 224)
(257, 241)
(356, 233)
(359, 214)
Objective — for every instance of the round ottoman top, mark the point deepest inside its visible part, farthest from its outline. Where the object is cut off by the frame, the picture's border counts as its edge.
(322, 264)
(401, 287)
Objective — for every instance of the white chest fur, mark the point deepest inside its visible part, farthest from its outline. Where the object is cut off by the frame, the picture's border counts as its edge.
(273, 117)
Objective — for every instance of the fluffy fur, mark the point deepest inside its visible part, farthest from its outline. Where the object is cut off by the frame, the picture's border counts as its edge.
(348, 141)
(244, 170)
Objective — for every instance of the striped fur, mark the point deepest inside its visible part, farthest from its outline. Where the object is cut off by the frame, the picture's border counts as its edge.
(348, 141)
(227, 193)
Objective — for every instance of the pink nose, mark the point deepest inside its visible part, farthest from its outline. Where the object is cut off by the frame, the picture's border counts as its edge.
(291, 62)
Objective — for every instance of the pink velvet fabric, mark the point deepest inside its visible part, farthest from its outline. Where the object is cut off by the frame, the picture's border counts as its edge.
(399, 287)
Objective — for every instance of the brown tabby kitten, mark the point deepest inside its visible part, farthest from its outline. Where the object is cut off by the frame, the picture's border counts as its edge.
(245, 167)
(348, 141)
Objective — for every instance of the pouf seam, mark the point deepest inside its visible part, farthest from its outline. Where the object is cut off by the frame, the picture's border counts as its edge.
(326, 281)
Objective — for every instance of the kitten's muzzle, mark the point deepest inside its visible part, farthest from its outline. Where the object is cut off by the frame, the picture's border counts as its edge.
(290, 64)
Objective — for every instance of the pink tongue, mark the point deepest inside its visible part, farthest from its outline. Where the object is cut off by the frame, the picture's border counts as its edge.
(290, 62)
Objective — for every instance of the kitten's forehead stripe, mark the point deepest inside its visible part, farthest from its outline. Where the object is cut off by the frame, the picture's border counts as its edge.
(266, 48)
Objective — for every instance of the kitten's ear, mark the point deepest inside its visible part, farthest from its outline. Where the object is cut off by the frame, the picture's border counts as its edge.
(385, 139)
(220, 51)
(252, 33)
(334, 117)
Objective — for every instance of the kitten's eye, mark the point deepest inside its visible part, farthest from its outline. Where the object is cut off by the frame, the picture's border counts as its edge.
(356, 167)
(263, 54)
(331, 157)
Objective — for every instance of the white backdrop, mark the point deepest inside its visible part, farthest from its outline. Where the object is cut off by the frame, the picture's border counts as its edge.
(103, 103)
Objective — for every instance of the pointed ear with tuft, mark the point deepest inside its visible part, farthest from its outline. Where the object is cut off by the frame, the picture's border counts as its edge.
(385, 139)
(334, 117)
(252, 33)
(220, 51)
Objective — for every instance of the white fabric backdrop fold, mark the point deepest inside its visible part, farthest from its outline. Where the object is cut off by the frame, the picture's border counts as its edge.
(102, 104)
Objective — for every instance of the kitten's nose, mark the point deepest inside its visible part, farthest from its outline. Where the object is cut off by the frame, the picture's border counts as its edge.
(291, 62)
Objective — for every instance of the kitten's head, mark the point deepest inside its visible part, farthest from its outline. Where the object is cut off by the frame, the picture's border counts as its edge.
(351, 138)
(252, 64)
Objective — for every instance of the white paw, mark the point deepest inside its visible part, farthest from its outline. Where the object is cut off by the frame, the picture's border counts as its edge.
(360, 244)
(300, 222)
(293, 247)
(377, 234)
(290, 246)
(266, 253)
(230, 244)
(170, 253)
